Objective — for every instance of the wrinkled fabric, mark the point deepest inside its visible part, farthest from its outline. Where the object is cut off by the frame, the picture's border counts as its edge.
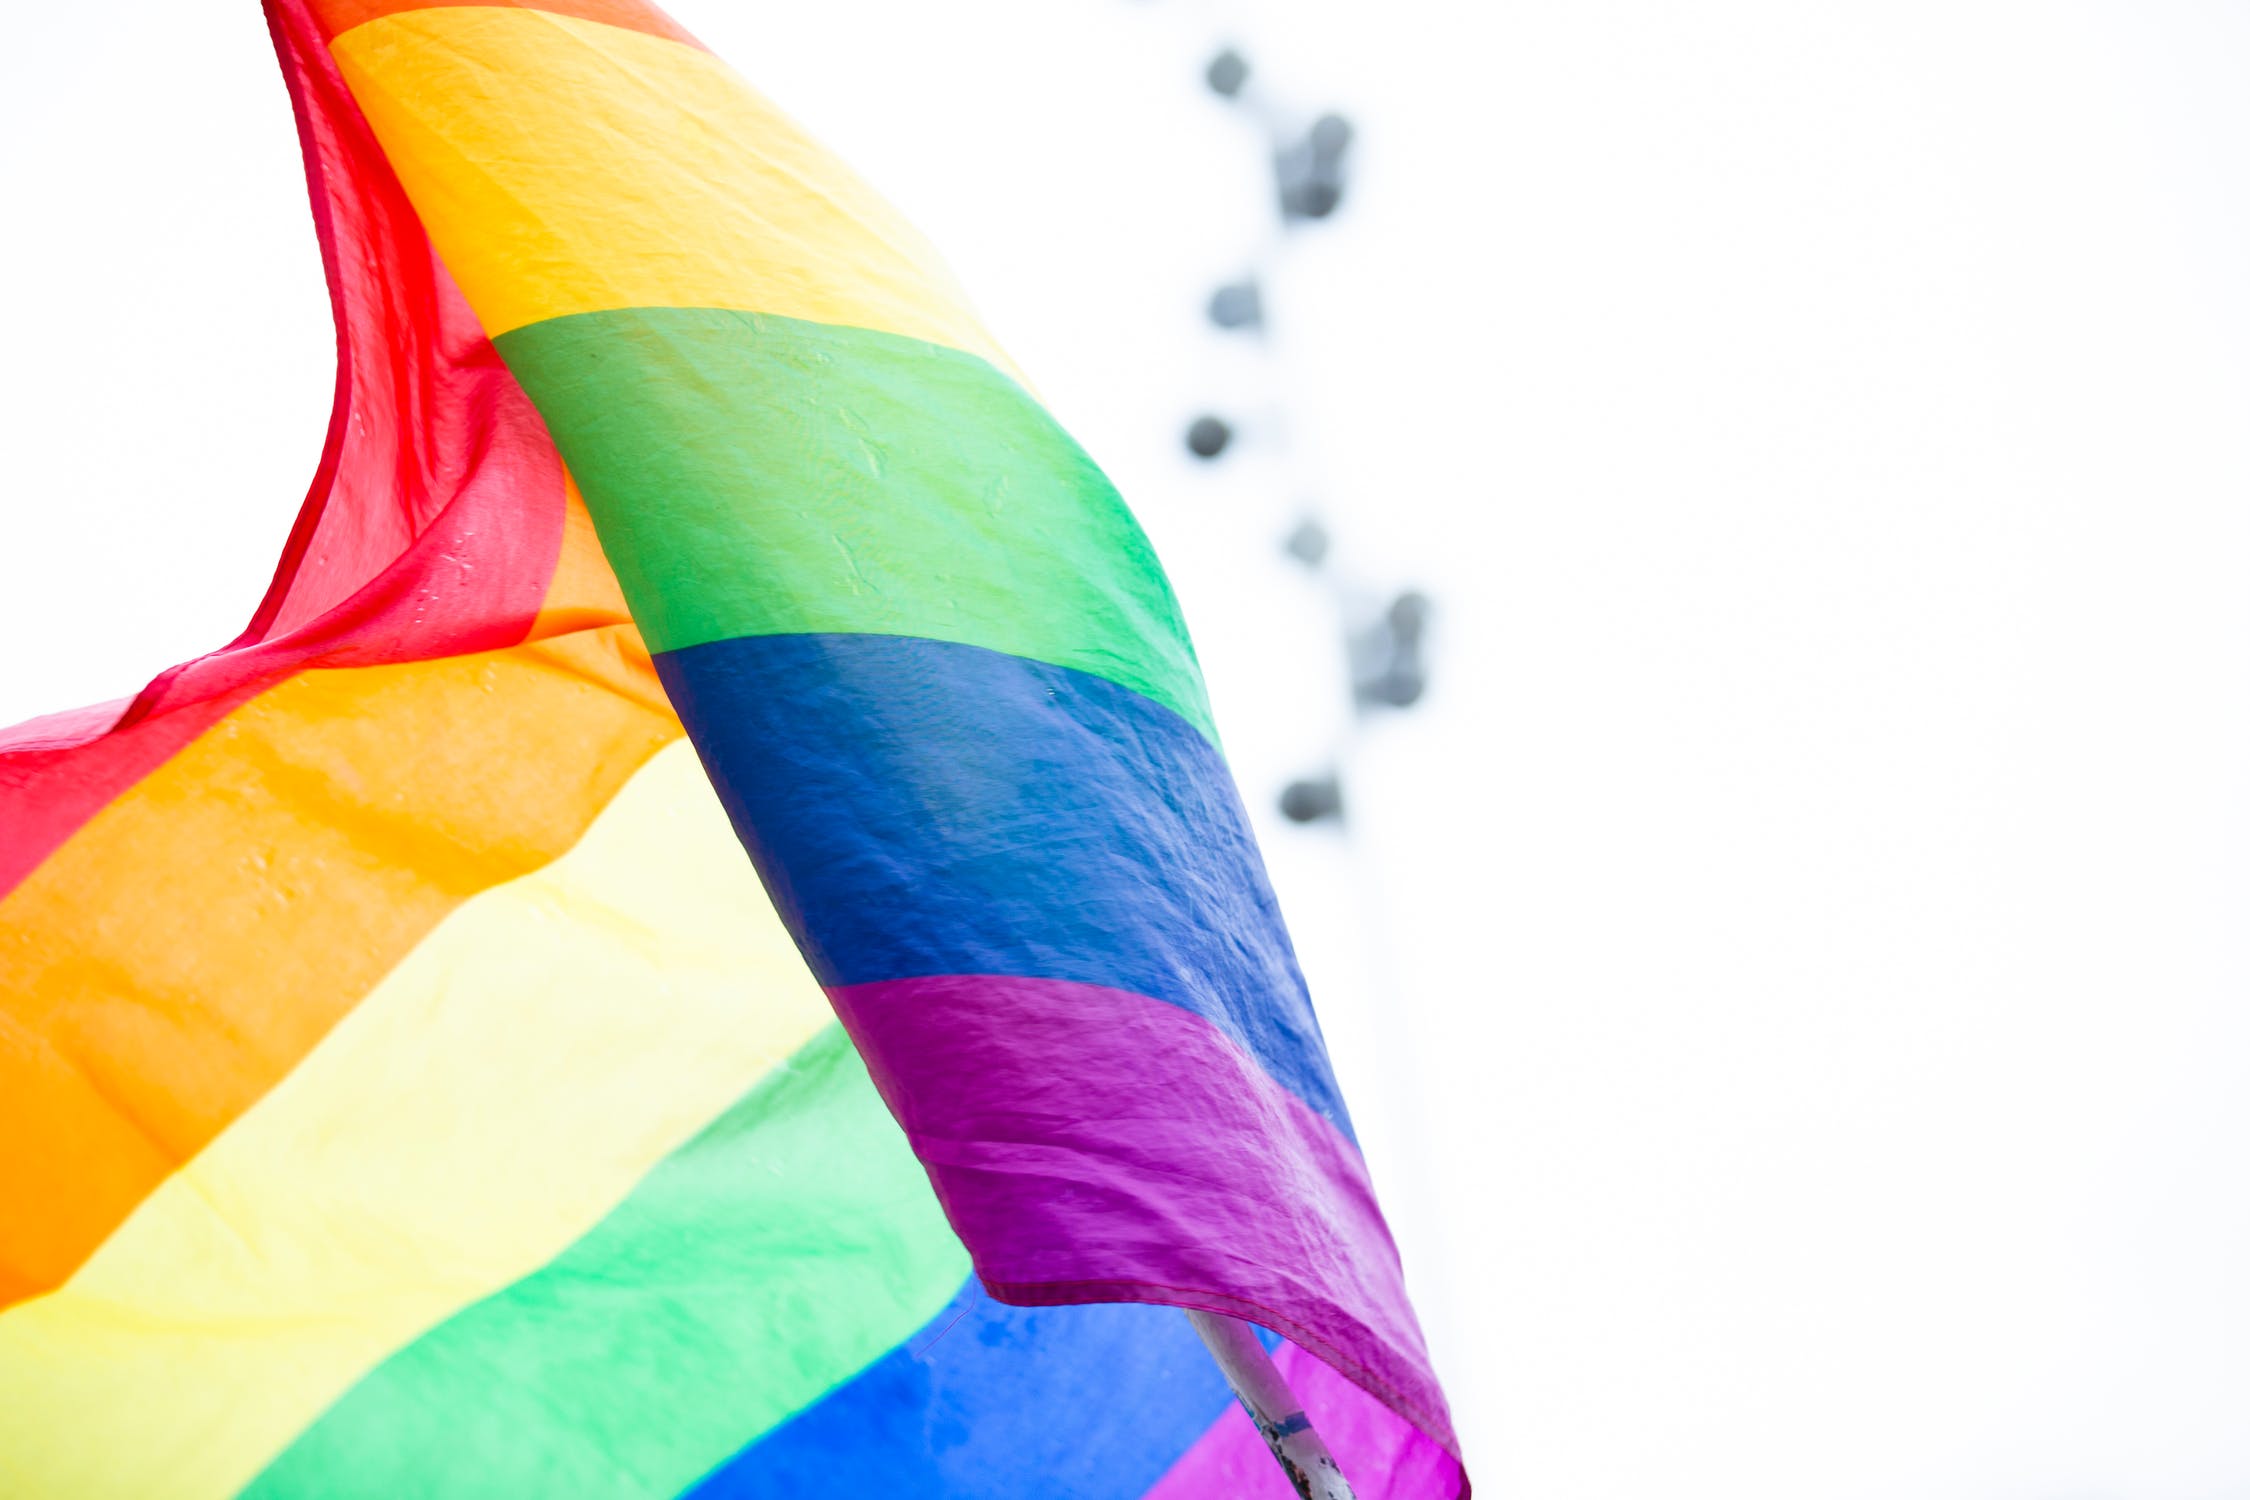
(416, 1089)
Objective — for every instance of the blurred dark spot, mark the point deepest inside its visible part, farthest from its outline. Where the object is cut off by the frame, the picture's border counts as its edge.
(1312, 799)
(1398, 687)
(1409, 615)
(1207, 437)
(1386, 653)
(1308, 542)
(1310, 174)
(1227, 73)
(1238, 305)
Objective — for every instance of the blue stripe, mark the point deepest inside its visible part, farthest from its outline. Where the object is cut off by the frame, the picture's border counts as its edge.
(920, 807)
(989, 1401)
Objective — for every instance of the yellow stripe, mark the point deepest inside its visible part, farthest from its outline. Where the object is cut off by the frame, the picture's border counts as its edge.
(202, 932)
(562, 166)
(503, 1088)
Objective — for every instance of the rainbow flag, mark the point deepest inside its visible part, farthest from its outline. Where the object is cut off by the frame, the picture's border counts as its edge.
(406, 1086)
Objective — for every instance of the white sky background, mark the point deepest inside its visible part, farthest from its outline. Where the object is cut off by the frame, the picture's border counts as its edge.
(1804, 1041)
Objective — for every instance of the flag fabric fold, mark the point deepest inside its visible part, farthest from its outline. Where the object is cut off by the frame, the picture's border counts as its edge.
(409, 1087)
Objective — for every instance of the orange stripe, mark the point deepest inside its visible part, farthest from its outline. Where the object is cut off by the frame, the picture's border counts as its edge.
(171, 962)
(339, 16)
(583, 593)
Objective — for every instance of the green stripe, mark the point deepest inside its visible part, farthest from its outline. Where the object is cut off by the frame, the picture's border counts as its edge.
(756, 475)
(771, 1258)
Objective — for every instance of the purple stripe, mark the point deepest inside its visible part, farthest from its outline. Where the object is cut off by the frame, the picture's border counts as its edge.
(1383, 1455)
(1090, 1144)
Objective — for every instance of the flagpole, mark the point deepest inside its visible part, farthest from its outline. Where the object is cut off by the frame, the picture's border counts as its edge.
(1280, 1416)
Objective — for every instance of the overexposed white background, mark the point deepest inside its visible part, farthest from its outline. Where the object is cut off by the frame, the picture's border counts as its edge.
(1791, 973)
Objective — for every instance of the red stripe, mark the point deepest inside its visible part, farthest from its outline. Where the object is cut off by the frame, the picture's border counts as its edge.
(432, 525)
(47, 793)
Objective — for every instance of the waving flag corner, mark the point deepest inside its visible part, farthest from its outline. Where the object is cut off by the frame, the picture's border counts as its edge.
(415, 1088)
